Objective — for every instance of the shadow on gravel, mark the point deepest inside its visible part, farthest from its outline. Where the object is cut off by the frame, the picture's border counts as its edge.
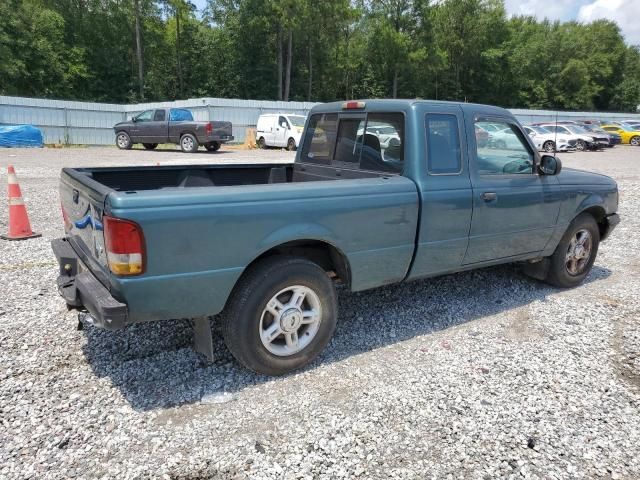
(154, 366)
(200, 151)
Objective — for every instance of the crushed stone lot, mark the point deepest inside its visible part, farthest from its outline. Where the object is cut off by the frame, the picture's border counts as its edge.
(481, 374)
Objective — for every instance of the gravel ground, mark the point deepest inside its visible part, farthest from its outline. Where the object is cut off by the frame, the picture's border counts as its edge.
(476, 375)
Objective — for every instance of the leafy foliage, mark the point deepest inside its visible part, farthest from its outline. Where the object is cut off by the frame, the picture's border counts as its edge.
(467, 50)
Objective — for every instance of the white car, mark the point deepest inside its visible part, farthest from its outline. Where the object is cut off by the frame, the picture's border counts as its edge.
(548, 141)
(387, 134)
(280, 130)
(583, 140)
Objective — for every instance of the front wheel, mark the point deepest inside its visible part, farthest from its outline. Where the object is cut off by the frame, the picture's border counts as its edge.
(549, 146)
(581, 145)
(212, 146)
(123, 141)
(635, 141)
(188, 143)
(574, 256)
(149, 146)
(280, 316)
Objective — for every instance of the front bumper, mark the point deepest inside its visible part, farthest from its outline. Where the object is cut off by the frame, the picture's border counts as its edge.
(81, 289)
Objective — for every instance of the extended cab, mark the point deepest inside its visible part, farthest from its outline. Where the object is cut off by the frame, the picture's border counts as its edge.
(171, 125)
(264, 244)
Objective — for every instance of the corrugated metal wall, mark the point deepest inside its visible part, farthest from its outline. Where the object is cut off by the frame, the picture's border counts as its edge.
(91, 123)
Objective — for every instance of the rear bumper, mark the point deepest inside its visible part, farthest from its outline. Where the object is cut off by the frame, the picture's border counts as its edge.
(80, 288)
(217, 138)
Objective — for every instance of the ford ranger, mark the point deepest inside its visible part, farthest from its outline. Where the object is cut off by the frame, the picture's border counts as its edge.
(264, 245)
(171, 125)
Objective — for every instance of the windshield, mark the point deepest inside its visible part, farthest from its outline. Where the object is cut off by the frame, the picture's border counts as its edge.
(575, 129)
(540, 130)
(297, 120)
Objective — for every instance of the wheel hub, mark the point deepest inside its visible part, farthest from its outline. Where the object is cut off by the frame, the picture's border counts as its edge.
(290, 320)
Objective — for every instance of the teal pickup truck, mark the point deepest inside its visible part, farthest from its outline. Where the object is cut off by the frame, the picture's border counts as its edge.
(264, 245)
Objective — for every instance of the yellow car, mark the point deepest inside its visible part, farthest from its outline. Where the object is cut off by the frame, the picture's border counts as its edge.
(627, 133)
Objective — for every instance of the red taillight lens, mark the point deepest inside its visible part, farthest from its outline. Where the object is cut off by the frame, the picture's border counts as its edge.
(209, 127)
(352, 105)
(125, 246)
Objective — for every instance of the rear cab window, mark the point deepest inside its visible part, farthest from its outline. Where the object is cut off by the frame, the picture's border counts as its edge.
(362, 141)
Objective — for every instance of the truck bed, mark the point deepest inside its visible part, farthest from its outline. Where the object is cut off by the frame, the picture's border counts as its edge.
(183, 176)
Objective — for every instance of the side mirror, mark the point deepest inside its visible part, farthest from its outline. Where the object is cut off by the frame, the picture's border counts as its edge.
(134, 119)
(550, 165)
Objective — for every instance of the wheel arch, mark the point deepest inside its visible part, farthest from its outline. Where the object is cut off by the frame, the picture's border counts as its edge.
(319, 251)
(599, 215)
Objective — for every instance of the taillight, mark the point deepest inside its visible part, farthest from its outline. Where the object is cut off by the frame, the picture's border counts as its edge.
(125, 247)
(209, 127)
(352, 105)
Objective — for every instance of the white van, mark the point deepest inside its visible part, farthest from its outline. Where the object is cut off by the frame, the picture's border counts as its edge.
(280, 130)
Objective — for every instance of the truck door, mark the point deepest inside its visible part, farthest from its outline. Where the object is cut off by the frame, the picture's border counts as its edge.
(515, 209)
(445, 191)
(138, 129)
(157, 130)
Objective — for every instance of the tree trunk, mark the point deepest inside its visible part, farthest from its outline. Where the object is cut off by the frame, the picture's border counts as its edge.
(178, 50)
(279, 63)
(395, 81)
(139, 50)
(287, 78)
(310, 73)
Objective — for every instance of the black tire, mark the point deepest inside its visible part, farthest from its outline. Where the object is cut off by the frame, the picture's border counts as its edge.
(549, 146)
(149, 146)
(581, 145)
(291, 145)
(635, 141)
(559, 274)
(242, 317)
(262, 143)
(188, 143)
(123, 141)
(212, 146)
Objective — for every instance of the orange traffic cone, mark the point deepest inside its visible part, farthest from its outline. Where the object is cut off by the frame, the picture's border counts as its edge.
(19, 226)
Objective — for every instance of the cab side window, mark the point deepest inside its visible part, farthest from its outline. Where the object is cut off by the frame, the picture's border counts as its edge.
(145, 116)
(506, 151)
(282, 122)
(443, 144)
(159, 116)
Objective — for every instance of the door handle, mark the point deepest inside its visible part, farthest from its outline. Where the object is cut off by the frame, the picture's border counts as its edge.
(489, 196)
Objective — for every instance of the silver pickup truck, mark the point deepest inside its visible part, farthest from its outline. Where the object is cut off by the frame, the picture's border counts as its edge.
(171, 125)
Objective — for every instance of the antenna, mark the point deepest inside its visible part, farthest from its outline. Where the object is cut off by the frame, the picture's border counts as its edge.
(555, 139)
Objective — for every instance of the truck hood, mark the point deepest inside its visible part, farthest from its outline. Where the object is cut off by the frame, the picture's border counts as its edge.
(128, 123)
(571, 176)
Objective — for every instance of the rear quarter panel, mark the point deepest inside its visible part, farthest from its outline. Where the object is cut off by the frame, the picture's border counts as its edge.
(200, 240)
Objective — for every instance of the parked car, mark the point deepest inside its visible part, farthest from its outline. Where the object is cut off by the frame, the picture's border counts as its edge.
(628, 133)
(264, 244)
(280, 130)
(548, 141)
(171, 125)
(584, 140)
(614, 138)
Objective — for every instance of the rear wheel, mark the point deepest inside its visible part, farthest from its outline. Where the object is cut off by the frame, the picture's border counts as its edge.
(635, 141)
(549, 146)
(291, 145)
(212, 146)
(149, 146)
(574, 256)
(123, 141)
(280, 316)
(262, 143)
(188, 143)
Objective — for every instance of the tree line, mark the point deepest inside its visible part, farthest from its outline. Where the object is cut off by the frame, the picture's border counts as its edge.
(465, 50)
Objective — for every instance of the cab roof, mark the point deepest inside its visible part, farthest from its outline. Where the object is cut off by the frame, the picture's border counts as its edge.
(406, 104)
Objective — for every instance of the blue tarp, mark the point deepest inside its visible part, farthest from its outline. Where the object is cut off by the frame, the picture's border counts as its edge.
(180, 115)
(20, 136)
